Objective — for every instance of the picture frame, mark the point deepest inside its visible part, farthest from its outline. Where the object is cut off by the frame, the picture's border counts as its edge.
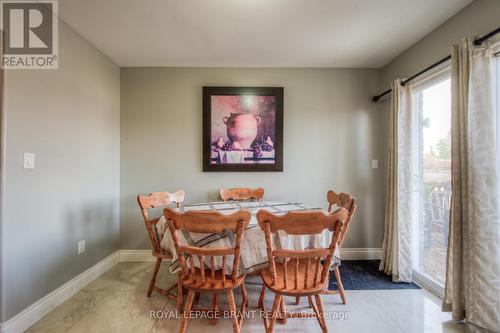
(242, 129)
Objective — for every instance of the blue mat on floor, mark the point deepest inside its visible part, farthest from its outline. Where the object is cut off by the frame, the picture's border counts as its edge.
(364, 275)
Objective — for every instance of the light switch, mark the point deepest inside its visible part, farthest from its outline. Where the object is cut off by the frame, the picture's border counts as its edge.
(81, 247)
(29, 160)
(374, 164)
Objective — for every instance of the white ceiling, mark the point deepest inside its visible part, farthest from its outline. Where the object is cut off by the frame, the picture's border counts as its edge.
(256, 33)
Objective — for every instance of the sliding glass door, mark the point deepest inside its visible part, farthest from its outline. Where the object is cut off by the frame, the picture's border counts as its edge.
(433, 179)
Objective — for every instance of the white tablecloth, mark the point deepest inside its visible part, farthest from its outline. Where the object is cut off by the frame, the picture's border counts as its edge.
(253, 251)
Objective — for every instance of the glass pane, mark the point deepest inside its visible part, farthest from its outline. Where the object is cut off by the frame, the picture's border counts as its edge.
(434, 179)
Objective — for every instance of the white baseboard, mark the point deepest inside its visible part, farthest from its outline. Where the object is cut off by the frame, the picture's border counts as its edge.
(29, 316)
(353, 253)
(136, 255)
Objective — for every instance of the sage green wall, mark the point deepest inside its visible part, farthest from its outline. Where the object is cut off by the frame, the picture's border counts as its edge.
(70, 118)
(330, 137)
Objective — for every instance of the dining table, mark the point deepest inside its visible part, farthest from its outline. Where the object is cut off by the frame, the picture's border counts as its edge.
(253, 248)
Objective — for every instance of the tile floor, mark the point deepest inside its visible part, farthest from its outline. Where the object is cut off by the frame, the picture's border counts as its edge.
(117, 302)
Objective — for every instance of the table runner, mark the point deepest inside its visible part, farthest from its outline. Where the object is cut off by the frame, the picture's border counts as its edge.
(253, 249)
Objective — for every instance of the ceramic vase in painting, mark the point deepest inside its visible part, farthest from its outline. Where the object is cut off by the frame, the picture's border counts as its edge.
(242, 128)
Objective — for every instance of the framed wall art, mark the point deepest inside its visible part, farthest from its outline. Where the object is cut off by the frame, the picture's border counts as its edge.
(242, 129)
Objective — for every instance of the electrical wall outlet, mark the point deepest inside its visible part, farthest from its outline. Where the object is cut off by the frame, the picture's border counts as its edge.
(81, 247)
(374, 164)
(29, 160)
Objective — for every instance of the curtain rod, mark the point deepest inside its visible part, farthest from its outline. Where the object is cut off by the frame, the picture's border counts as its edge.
(477, 42)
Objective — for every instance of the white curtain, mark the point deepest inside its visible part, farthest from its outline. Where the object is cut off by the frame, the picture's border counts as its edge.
(397, 245)
(472, 290)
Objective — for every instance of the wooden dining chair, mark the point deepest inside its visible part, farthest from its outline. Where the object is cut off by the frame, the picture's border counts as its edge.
(159, 200)
(347, 201)
(298, 273)
(209, 274)
(241, 193)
